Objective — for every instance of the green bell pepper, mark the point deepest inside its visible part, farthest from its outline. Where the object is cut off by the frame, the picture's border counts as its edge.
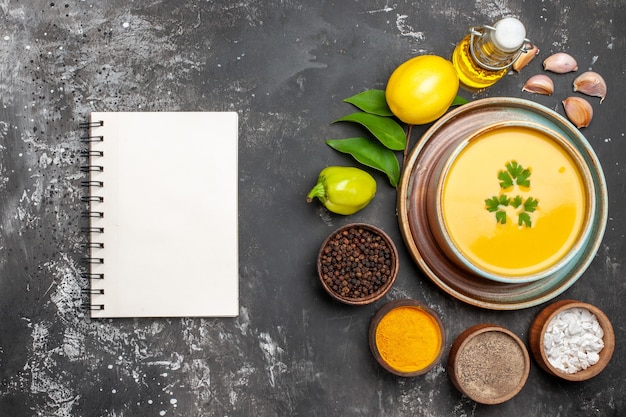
(343, 190)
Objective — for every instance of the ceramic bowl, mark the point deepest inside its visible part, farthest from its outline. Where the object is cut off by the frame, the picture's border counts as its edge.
(357, 264)
(448, 242)
(537, 338)
(417, 324)
(488, 363)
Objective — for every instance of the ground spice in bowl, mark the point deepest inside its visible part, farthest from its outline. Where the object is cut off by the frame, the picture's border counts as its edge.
(406, 337)
(489, 364)
(357, 264)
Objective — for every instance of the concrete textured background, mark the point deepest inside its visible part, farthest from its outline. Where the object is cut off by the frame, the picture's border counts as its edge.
(284, 66)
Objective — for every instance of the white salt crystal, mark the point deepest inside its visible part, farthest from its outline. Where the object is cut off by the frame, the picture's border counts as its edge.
(573, 327)
(593, 357)
(573, 340)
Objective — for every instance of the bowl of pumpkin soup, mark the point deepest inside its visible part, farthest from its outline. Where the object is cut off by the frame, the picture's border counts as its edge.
(512, 202)
(502, 203)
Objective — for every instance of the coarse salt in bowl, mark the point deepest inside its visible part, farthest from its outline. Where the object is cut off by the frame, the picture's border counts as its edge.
(572, 340)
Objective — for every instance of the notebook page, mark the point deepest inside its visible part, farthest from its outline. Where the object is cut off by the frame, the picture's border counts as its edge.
(170, 214)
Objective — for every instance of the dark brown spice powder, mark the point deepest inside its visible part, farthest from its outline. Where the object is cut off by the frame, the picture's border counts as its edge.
(490, 366)
(356, 262)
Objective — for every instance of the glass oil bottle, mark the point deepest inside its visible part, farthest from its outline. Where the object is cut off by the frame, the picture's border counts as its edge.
(485, 55)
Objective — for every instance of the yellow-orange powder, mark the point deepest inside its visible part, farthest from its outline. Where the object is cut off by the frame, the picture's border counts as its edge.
(408, 338)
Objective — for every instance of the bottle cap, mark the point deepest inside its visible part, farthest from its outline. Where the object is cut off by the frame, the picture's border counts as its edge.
(509, 34)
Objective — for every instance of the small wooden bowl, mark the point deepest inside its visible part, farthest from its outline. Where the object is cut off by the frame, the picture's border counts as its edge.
(354, 273)
(409, 337)
(488, 363)
(538, 329)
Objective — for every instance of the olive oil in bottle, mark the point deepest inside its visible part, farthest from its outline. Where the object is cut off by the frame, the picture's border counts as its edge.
(486, 53)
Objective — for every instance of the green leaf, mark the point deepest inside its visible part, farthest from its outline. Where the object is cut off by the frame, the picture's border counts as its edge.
(523, 179)
(458, 100)
(530, 205)
(514, 169)
(371, 101)
(517, 201)
(505, 179)
(514, 174)
(371, 154)
(385, 129)
(524, 219)
(501, 216)
(504, 200)
(492, 204)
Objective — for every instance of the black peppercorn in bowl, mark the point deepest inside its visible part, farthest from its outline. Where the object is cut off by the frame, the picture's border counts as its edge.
(357, 264)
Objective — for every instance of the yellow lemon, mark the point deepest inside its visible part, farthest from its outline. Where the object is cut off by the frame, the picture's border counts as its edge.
(421, 89)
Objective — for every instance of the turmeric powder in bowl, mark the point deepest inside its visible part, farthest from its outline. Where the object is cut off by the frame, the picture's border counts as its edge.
(406, 337)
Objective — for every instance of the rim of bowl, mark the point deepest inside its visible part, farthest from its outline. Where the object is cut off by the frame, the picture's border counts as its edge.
(579, 243)
(391, 305)
(383, 289)
(464, 338)
(538, 328)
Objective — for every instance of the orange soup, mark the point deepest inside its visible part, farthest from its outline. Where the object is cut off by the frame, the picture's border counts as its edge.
(514, 201)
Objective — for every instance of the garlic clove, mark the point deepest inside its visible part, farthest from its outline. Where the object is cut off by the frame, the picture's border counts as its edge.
(539, 84)
(525, 58)
(578, 111)
(592, 84)
(560, 63)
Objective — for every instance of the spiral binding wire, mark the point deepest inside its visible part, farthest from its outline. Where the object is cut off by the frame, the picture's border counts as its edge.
(93, 229)
(91, 153)
(87, 125)
(93, 291)
(97, 214)
(93, 307)
(95, 245)
(89, 184)
(92, 168)
(90, 276)
(92, 198)
(89, 139)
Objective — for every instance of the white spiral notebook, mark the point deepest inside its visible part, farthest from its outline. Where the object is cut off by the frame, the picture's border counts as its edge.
(163, 214)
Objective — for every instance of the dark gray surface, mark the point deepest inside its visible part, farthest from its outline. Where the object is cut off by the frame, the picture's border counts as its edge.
(284, 66)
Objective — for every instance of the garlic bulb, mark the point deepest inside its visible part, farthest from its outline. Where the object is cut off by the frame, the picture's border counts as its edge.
(539, 84)
(560, 63)
(592, 84)
(525, 58)
(578, 111)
